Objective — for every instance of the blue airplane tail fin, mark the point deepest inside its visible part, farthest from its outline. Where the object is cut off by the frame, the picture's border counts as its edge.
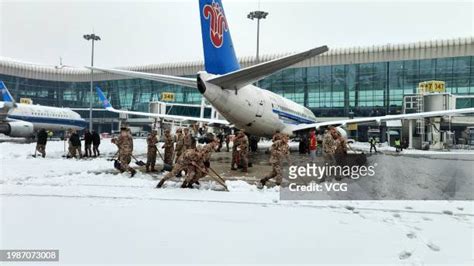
(7, 97)
(219, 54)
(102, 98)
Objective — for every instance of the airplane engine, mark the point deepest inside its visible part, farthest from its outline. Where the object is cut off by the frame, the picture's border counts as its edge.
(342, 132)
(19, 129)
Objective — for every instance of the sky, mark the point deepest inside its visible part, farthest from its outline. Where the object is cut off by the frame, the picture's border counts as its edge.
(154, 32)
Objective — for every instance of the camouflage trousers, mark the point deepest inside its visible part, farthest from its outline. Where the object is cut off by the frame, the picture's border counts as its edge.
(73, 150)
(151, 157)
(169, 156)
(41, 149)
(235, 158)
(276, 173)
(244, 159)
(125, 160)
(193, 174)
(177, 168)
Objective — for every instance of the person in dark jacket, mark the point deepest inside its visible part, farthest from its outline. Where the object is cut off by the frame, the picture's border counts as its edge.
(74, 144)
(95, 143)
(42, 138)
(87, 143)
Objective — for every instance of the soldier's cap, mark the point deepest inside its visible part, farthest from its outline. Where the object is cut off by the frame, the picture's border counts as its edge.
(123, 129)
(186, 129)
(154, 131)
(179, 130)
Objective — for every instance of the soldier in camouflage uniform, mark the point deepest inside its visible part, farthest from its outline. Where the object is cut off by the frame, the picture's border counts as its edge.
(169, 147)
(235, 152)
(125, 145)
(198, 168)
(187, 140)
(180, 165)
(151, 142)
(329, 141)
(179, 139)
(243, 150)
(279, 150)
(277, 136)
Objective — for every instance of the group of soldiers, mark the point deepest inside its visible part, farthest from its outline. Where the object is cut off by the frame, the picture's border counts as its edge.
(182, 153)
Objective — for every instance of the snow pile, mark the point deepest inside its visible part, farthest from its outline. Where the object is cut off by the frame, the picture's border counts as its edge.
(93, 214)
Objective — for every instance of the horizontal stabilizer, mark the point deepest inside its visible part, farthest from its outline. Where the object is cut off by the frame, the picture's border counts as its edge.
(180, 81)
(245, 76)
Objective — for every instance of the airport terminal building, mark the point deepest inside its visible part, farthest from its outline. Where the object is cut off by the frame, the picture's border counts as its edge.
(359, 81)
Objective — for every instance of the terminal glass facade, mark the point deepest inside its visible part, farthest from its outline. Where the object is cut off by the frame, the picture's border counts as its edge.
(337, 90)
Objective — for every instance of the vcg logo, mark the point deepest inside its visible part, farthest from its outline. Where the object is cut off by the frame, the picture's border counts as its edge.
(217, 23)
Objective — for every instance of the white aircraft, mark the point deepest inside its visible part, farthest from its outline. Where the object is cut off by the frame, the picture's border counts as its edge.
(229, 89)
(23, 120)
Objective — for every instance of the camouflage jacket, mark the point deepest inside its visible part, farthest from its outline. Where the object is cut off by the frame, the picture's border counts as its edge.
(169, 141)
(151, 141)
(279, 150)
(179, 139)
(207, 151)
(329, 144)
(244, 144)
(125, 144)
(341, 146)
(187, 141)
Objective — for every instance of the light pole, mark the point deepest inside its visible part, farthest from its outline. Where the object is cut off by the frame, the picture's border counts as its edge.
(258, 15)
(91, 37)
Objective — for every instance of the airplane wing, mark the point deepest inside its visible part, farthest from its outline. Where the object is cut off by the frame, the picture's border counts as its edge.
(181, 81)
(110, 108)
(248, 75)
(379, 119)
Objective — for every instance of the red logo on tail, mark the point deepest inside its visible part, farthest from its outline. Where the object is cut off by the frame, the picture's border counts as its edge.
(217, 22)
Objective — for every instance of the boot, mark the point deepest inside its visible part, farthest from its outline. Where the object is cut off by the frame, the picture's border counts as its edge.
(232, 167)
(147, 169)
(263, 181)
(132, 172)
(184, 185)
(153, 168)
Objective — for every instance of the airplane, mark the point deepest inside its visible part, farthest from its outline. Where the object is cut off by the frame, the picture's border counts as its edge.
(230, 90)
(23, 120)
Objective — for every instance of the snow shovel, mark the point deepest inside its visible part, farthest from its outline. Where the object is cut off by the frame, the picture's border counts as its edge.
(113, 157)
(218, 178)
(138, 162)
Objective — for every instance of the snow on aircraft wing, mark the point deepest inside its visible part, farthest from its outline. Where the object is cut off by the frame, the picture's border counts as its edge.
(180, 81)
(379, 119)
(248, 75)
(110, 108)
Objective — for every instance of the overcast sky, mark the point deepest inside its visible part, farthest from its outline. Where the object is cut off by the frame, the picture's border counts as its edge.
(147, 32)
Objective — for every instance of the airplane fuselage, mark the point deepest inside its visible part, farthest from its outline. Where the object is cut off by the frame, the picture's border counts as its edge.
(25, 119)
(260, 112)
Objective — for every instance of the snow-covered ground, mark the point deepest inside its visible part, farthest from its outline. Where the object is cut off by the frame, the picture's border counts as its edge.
(94, 215)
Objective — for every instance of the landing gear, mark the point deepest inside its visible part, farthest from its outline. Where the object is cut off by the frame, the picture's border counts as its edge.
(253, 141)
(303, 145)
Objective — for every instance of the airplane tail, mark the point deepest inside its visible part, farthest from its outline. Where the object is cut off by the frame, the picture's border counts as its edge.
(103, 99)
(219, 54)
(7, 97)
